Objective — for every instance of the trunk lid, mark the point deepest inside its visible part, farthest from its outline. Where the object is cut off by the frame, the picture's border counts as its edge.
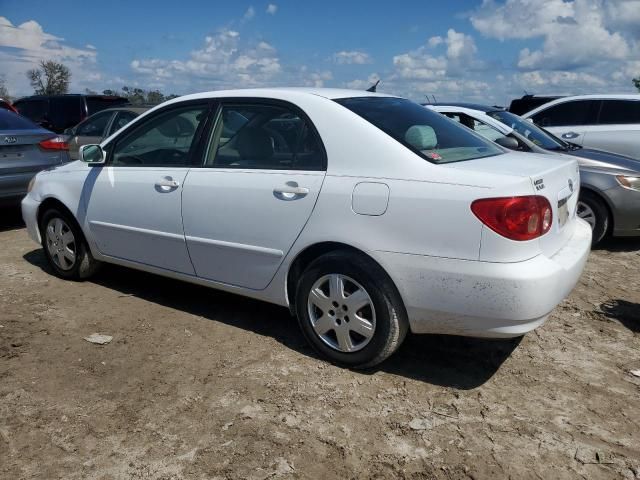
(554, 177)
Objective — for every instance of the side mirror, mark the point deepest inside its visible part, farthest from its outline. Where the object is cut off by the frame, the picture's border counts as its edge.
(92, 154)
(508, 142)
(69, 131)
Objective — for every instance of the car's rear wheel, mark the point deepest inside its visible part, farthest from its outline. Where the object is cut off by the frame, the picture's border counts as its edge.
(349, 310)
(593, 210)
(65, 246)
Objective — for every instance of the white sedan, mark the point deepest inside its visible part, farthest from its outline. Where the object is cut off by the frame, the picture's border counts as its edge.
(367, 215)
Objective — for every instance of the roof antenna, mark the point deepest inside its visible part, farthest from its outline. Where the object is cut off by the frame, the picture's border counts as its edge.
(373, 87)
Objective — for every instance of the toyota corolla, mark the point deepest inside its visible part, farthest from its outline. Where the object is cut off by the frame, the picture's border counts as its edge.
(367, 215)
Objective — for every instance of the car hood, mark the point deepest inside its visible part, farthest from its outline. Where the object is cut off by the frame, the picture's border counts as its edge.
(588, 157)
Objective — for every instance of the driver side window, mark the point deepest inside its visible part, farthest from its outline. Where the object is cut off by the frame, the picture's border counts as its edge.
(164, 140)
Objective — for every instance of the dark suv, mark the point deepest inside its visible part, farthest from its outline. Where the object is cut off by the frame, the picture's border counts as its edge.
(59, 112)
(527, 103)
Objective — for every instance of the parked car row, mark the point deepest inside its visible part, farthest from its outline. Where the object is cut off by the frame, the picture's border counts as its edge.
(367, 215)
(27, 147)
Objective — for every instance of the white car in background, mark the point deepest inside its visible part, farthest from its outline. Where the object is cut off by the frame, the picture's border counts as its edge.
(367, 215)
(605, 122)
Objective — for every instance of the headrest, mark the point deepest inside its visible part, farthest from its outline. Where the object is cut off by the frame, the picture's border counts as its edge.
(254, 144)
(421, 137)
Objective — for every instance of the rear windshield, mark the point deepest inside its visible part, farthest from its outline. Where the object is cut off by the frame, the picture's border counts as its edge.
(429, 134)
(96, 104)
(13, 121)
(528, 130)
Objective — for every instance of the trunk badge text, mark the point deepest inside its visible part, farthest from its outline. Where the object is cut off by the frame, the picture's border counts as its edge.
(539, 184)
(10, 139)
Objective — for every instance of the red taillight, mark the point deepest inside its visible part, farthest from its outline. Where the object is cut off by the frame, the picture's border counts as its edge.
(517, 218)
(55, 143)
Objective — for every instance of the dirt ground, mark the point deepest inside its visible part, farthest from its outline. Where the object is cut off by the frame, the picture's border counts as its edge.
(199, 384)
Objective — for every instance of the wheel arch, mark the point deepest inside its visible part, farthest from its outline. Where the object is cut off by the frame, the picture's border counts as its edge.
(605, 201)
(307, 255)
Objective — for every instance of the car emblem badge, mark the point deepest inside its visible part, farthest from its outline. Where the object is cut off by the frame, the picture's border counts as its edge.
(10, 139)
(571, 185)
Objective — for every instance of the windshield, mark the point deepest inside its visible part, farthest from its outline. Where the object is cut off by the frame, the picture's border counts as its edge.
(529, 130)
(429, 134)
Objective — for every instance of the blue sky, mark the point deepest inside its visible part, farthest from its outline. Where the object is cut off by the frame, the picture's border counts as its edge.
(477, 50)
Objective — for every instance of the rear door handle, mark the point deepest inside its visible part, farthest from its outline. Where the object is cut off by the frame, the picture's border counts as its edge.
(570, 135)
(167, 182)
(290, 191)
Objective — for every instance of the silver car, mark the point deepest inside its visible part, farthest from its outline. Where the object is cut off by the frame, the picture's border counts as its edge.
(25, 149)
(99, 126)
(610, 183)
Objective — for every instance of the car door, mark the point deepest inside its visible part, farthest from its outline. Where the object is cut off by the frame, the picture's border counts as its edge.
(617, 129)
(245, 207)
(569, 120)
(91, 131)
(134, 200)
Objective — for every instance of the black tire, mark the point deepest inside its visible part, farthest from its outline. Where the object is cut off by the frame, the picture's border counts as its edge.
(599, 224)
(84, 265)
(391, 322)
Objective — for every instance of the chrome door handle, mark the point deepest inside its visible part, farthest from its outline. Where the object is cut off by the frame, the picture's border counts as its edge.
(570, 135)
(167, 182)
(290, 191)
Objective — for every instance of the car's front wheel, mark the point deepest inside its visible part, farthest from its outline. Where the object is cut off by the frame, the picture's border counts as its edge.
(349, 310)
(65, 246)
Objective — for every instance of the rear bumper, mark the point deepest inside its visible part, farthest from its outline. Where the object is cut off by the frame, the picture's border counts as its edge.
(486, 299)
(30, 216)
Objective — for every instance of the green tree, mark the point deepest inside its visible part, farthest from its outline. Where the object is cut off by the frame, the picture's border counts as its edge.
(636, 83)
(52, 78)
(4, 91)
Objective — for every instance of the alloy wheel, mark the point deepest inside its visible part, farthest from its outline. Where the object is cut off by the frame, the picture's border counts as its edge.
(61, 243)
(586, 213)
(341, 313)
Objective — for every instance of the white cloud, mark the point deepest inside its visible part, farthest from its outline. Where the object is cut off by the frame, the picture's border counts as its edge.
(363, 84)
(310, 78)
(351, 57)
(272, 8)
(23, 46)
(587, 46)
(249, 14)
(575, 33)
(222, 62)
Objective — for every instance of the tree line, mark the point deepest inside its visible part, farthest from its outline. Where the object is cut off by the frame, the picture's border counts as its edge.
(53, 78)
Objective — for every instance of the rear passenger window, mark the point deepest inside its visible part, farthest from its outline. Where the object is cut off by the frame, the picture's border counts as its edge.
(619, 112)
(264, 137)
(580, 112)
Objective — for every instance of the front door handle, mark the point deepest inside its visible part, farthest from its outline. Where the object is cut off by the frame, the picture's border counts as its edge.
(290, 191)
(570, 135)
(166, 183)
